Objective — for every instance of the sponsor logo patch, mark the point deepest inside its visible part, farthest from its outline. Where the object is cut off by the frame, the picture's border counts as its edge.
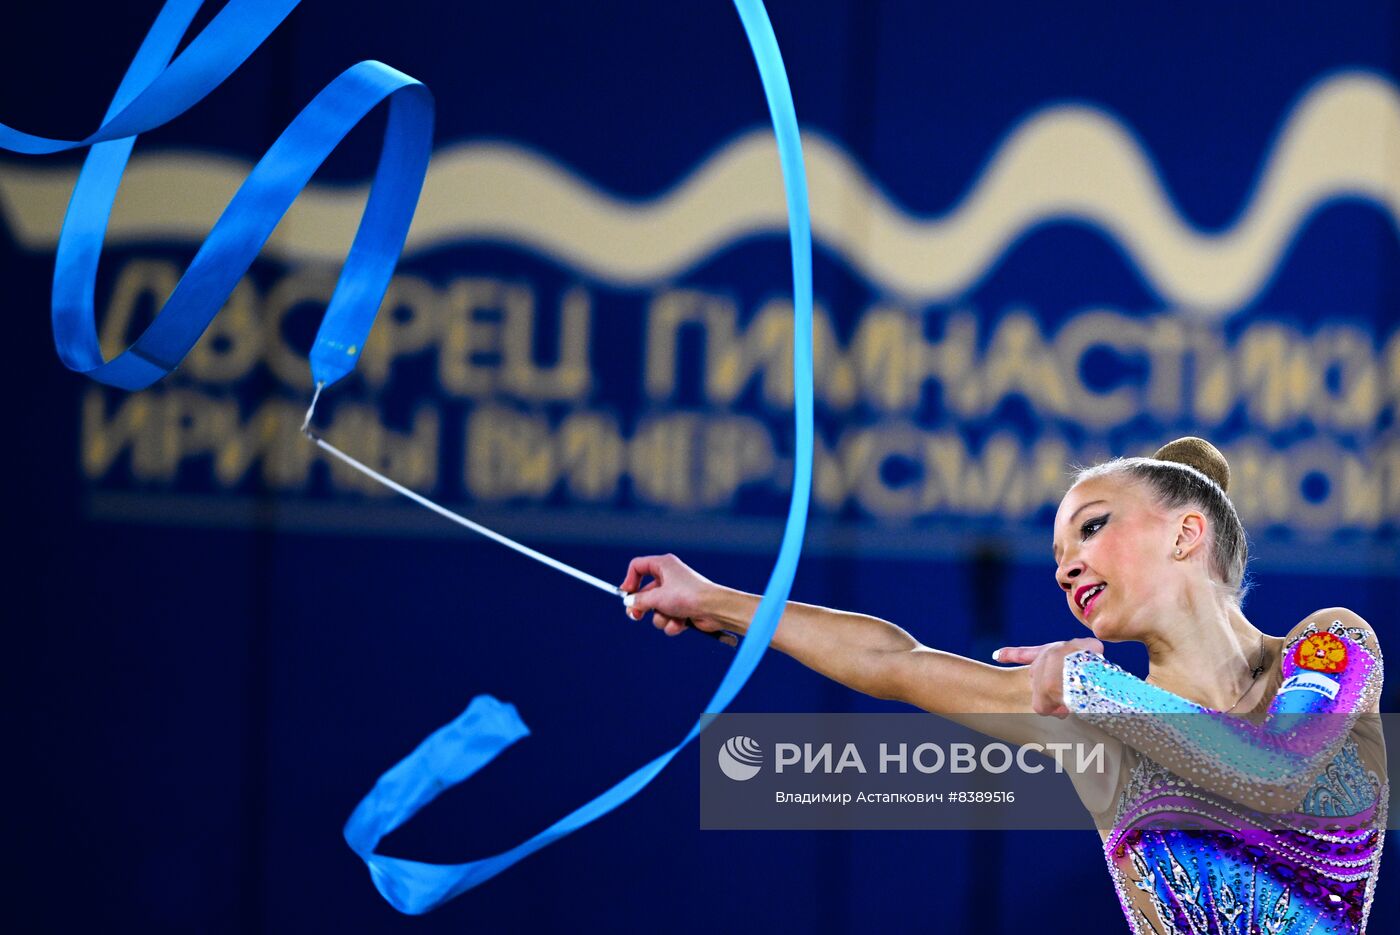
(1312, 681)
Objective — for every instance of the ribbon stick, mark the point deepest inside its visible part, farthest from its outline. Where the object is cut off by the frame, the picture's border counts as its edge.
(488, 726)
(724, 636)
(460, 520)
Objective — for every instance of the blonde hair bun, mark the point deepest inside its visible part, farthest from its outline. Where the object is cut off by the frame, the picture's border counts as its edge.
(1199, 454)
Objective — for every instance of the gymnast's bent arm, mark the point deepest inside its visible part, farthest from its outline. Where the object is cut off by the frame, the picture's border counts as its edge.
(870, 655)
(1332, 674)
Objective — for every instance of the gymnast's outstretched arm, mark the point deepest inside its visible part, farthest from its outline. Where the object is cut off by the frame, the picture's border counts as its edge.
(870, 655)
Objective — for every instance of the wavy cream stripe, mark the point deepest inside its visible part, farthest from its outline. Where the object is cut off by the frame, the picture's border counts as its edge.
(1066, 162)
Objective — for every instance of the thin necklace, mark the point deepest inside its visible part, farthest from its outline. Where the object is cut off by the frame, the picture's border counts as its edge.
(1254, 676)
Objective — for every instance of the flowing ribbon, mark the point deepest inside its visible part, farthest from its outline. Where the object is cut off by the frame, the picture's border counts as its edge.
(488, 726)
(157, 89)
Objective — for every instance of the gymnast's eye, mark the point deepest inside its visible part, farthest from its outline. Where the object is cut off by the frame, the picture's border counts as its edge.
(1092, 526)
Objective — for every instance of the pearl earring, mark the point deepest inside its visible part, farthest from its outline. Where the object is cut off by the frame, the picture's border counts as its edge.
(1178, 553)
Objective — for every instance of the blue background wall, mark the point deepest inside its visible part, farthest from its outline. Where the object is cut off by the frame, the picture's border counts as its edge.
(205, 677)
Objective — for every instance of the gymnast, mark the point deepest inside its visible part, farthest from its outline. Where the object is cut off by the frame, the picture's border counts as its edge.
(1286, 814)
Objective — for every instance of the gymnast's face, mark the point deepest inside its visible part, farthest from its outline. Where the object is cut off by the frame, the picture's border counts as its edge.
(1113, 550)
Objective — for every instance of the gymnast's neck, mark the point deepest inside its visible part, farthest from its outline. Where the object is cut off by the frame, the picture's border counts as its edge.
(1204, 649)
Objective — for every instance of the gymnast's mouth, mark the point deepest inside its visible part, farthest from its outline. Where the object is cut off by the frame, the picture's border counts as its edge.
(1088, 595)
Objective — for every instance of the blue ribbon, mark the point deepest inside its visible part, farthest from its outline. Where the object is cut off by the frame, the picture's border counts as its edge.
(488, 726)
(155, 90)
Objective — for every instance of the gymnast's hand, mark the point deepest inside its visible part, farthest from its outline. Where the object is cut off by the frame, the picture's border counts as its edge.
(1047, 662)
(675, 594)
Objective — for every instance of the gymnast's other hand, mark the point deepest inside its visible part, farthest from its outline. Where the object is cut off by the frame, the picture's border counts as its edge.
(674, 594)
(1047, 662)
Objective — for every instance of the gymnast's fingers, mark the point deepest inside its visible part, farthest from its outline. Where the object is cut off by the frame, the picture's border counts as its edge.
(1047, 675)
(641, 567)
(639, 602)
(1019, 655)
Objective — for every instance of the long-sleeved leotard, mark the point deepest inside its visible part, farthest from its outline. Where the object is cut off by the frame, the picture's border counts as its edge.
(1237, 826)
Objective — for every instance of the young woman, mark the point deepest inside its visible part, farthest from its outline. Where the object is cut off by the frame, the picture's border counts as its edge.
(1286, 813)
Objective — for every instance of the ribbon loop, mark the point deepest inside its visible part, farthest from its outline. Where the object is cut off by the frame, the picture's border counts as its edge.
(155, 90)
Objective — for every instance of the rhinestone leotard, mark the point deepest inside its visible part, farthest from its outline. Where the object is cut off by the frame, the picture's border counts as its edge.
(1236, 826)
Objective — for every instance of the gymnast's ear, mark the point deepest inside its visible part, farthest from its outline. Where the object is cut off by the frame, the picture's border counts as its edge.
(1191, 530)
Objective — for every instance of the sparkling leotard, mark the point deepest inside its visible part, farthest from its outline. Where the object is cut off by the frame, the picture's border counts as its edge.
(1235, 826)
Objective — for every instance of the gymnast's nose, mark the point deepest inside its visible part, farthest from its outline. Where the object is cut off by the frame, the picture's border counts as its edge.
(1067, 572)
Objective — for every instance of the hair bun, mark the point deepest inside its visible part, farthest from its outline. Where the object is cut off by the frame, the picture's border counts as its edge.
(1199, 454)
